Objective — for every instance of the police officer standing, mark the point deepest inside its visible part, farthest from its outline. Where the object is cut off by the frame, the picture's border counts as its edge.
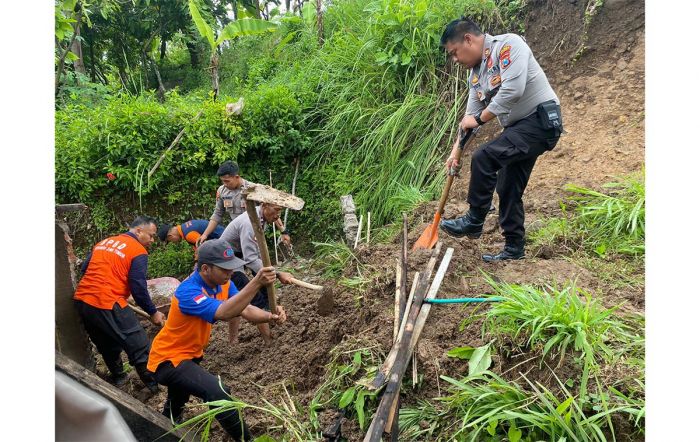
(507, 83)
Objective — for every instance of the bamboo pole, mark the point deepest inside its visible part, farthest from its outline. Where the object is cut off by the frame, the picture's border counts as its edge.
(359, 232)
(368, 225)
(397, 299)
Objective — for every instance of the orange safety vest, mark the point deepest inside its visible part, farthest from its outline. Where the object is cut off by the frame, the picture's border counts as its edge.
(106, 279)
(184, 336)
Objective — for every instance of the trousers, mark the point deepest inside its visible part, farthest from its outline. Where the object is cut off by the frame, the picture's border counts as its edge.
(504, 164)
(188, 378)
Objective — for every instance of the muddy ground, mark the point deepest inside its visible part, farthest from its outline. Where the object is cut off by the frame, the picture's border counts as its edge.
(602, 96)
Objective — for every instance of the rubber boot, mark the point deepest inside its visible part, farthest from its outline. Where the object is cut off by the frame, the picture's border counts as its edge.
(470, 225)
(147, 378)
(514, 249)
(117, 376)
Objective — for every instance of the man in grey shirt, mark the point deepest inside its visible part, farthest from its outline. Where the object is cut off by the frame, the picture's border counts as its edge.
(507, 83)
(240, 234)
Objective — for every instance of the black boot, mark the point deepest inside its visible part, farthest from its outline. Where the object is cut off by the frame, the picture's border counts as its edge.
(117, 376)
(512, 250)
(470, 225)
(147, 377)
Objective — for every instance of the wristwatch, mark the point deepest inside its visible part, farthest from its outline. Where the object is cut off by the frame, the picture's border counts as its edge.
(477, 117)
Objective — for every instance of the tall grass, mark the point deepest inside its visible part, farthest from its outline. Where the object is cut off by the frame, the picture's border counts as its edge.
(487, 407)
(561, 320)
(604, 223)
(334, 257)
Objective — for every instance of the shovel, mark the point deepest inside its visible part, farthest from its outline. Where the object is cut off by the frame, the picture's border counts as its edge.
(430, 235)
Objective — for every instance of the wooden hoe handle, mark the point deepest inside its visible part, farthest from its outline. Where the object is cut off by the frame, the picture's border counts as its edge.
(264, 253)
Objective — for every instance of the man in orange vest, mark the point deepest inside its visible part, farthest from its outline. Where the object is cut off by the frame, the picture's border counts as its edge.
(205, 297)
(114, 269)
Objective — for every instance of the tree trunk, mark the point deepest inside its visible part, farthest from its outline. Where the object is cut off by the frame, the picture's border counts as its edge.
(161, 88)
(91, 44)
(287, 5)
(215, 74)
(163, 47)
(194, 54)
(77, 49)
(319, 21)
(256, 3)
(64, 52)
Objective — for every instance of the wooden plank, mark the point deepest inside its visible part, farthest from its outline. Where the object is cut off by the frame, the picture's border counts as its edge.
(424, 279)
(62, 208)
(145, 423)
(374, 433)
(397, 300)
(265, 194)
(392, 422)
(262, 246)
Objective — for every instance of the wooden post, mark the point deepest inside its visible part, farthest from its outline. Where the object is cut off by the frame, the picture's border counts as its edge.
(274, 230)
(359, 233)
(264, 253)
(368, 225)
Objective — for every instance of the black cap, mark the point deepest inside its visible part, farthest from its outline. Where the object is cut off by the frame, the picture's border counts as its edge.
(228, 168)
(163, 231)
(220, 253)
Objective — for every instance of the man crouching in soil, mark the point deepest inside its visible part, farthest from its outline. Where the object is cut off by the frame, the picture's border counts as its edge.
(203, 298)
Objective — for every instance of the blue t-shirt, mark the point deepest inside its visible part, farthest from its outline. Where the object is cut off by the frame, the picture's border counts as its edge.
(192, 300)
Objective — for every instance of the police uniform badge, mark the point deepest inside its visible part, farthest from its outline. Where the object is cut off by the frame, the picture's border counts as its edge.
(475, 80)
(495, 80)
(228, 202)
(504, 57)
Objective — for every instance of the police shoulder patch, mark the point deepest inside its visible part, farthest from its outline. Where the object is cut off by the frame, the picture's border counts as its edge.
(505, 49)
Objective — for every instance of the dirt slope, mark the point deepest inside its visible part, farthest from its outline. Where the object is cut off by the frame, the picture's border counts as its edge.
(603, 106)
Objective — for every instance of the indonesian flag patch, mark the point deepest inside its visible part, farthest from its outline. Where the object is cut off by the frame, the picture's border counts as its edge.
(199, 298)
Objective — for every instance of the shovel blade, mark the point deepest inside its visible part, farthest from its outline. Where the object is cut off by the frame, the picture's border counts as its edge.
(429, 237)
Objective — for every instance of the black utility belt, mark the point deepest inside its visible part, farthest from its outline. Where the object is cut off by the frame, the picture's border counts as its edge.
(549, 115)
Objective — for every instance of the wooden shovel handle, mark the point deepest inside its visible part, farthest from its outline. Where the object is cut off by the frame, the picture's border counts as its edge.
(306, 285)
(464, 139)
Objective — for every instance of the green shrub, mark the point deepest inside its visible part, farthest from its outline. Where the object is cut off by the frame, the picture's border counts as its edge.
(176, 260)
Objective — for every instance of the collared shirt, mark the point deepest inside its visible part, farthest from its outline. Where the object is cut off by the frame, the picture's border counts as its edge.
(240, 234)
(229, 201)
(187, 331)
(509, 82)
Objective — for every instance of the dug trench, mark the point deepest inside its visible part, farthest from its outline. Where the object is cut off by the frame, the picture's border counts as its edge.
(602, 99)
